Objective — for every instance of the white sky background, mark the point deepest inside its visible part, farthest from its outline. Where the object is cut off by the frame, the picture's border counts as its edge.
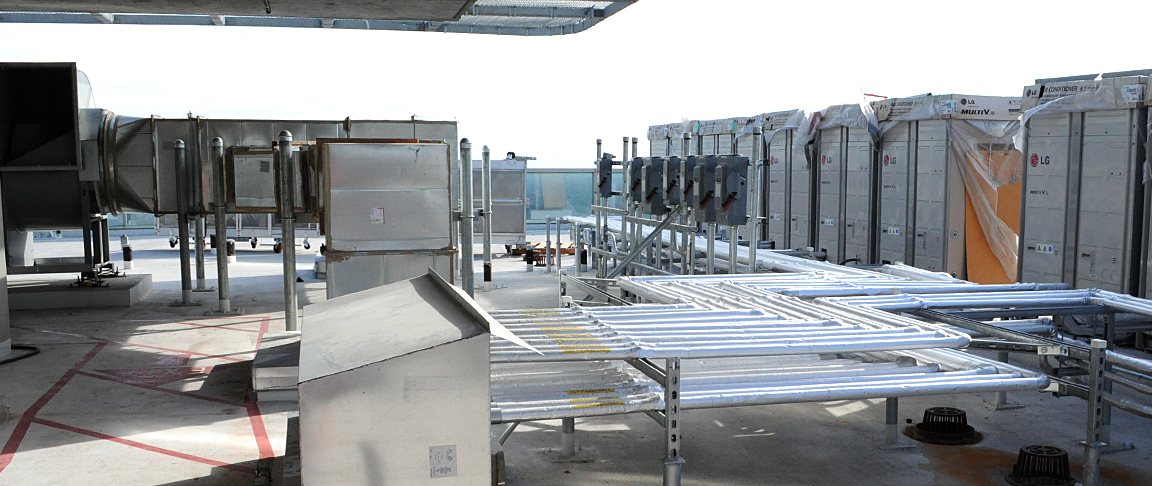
(655, 62)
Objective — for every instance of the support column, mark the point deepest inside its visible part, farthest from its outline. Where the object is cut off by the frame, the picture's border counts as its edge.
(182, 224)
(568, 437)
(287, 178)
(467, 216)
(1095, 433)
(221, 206)
(486, 206)
(755, 197)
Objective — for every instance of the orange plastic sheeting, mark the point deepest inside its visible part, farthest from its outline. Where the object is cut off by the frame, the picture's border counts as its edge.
(983, 266)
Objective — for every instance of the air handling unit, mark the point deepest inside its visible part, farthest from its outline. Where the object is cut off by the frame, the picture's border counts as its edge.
(936, 153)
(1083, 203)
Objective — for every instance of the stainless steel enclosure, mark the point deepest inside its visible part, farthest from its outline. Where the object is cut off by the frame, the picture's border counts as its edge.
(387, 211)
(776, 186)
(508, 198)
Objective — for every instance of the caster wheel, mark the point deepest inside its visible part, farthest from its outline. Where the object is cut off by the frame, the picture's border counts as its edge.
(277, 248)
(307, 246)
(253, 243)
(172, 242)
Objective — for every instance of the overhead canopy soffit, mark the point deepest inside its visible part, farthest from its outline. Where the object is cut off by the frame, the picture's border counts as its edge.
(506, 17)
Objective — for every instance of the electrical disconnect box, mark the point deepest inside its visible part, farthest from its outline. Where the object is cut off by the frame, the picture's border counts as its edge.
(604, 175)
(653, 186)
(704, 189)
(636, 179)
(671, 182)
(732, 191)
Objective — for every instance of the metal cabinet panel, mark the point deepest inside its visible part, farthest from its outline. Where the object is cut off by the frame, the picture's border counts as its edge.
(1106, 256)
(778, 189)
(803, 213)
(829, 232)
(859, 216)
(894, 166)
(931, 213)
(387, 197)
(1045, 200)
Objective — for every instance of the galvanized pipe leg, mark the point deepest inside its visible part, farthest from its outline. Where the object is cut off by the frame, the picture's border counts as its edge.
(568, 436)
(221, 206)
(467, 215)
(710, 263)
(733, 245)
(198, 223)
(486, 206)
(287, 179)
(182, 223)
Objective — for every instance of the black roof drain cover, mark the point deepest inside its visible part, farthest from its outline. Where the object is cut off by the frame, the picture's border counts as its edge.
(945, 425)
(1041, 465)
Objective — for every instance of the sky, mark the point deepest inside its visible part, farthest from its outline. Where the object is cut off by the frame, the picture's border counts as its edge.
(655, 62)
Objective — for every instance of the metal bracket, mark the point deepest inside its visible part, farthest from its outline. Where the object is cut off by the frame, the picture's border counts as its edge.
(1052, 350)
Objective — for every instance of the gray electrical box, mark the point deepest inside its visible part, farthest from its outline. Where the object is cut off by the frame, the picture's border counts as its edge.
(731, 194)
(635, 169)
(653, 186)
(1083, 209)
(704, 189)
(671, 182)
(604, 176)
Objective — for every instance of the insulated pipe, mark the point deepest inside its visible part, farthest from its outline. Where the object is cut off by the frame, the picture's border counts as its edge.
(287, 178)
(467, 214)
(486, 187)
(754, 197)
(217, 154)
(182, 222)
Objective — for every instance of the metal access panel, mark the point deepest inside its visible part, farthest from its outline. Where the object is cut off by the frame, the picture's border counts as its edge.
(357, 272)
(508, 197)
(777, 191)
(387, 197)
(939, 232)
(829, 207)
(671, 182)
(895, 186)
(653, 186)
(1111, 198)
(1044, 212)
(704, 189)
(859, 196)
(732, 191)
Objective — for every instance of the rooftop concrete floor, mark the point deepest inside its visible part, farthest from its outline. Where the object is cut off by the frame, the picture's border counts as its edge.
(159, 395)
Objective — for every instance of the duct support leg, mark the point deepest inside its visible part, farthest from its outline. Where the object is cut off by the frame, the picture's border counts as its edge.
(221, 206)
(287, 180)
(182, 223)
(199, 224)
(1002, 402)
(568, 437)
(894, 438)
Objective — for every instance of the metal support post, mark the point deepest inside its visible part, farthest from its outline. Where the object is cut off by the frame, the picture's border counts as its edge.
(568, 437)
(710, 263)
(548, 244)
(559, 250)
(733, 245)
(626, 228)
(673, 438)
(1002, 402)
(600, 239)
(754, 197)
(467, 214)
(486, 206)
(1096, 391)
(579, 249)
(287, 179)
(688, 237)
(198, 226)
(221, 206)
(182, 223)
(894, 439)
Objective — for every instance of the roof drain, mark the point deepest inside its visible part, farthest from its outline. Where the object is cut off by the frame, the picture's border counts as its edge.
(945, 426)
(1041, 465)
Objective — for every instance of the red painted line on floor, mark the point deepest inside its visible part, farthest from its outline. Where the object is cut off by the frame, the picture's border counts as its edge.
(30, 415)
(254, 415)
(159, 389)
(209, 326)
(148, 346)
(146, 447)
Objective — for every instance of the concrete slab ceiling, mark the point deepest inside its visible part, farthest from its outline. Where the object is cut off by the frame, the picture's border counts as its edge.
(428, 10)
